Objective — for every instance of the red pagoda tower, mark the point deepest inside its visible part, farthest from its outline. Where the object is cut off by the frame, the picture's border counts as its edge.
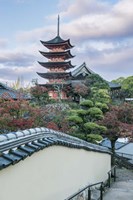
(58, 63)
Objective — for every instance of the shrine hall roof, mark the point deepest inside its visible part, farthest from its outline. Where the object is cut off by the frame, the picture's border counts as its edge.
(82, 69)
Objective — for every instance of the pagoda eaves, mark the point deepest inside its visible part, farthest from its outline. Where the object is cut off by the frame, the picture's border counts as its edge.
(57, 42)
(66, 65)
(51, 84)
(55, 75)
(62, 54)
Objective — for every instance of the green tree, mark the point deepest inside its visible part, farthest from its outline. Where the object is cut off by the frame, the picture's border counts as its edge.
(94, 80)
(100, 95)
(118, 80)
(99, 89)
(83, 121)
(127, 86)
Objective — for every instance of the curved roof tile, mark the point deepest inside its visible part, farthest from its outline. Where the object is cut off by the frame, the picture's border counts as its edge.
(16, 146)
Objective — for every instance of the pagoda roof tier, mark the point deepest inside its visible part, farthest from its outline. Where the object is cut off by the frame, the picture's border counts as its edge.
(67, 65)
(55, 75)
(57, 41)
(64, 54)
(51, 84)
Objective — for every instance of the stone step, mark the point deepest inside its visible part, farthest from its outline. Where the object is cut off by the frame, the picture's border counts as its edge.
(123, 184)
(120, 190)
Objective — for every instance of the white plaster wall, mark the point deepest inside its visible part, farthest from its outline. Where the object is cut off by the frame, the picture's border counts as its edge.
(53, 174)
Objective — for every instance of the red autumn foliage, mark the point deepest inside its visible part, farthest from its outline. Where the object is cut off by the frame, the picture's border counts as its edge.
(81, 89)
(55, 117)
(38, 90)
(18, 114)
(125, 113)
(52, 125)
(119, 121)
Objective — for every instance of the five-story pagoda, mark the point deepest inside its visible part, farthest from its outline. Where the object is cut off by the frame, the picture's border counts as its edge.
(57, 65)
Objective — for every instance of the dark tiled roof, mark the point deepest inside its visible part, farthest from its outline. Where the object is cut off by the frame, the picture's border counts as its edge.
(107, 143)
(54, 75)
(16, 146)
(114, 85)
(57, 41)
(82, 69)
(57, 64)
(64, 54)
(7, 92)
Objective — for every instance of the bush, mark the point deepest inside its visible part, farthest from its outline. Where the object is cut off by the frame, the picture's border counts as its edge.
(102, 106)
(95, 138)
(87, 103)
(75, 119)
(95, 113)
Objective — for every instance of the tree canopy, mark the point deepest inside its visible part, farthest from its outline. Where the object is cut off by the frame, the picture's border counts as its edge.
(83, 121)
(126, 86)
(94, 80)
(18, 115)
(119, 123)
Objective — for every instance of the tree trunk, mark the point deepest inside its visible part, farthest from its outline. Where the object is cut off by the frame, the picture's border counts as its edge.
(113, 152)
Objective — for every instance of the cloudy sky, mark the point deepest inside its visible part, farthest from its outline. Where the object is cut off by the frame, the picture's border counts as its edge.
(100, 30)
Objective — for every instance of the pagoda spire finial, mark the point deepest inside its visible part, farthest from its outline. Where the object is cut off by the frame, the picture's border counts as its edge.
(58, 26)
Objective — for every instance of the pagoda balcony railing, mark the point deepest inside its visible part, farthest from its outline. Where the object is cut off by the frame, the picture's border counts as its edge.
(57, 50)
(56, 60)
(56, 71)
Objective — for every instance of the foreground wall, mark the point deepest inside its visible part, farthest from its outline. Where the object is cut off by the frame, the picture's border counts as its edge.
(53, 174)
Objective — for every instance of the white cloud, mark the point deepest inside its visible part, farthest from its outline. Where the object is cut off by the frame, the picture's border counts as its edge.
(112, 21)
(16, 58)
(11, 73)
(82, 7)
(106, 22)
(101, 33)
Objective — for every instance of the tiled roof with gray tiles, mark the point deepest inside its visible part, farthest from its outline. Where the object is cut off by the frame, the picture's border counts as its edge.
(107, 143)
(7, 92)
(16, 146)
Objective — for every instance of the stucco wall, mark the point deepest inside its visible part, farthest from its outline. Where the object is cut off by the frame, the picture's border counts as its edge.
(53, 174)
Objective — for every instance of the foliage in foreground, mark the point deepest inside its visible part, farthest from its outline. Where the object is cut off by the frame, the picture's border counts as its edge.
(18, 115)
(119, 123)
